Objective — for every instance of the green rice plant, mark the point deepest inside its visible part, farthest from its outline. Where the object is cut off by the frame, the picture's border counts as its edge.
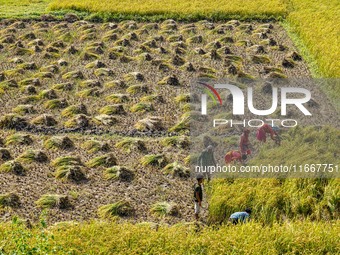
(149, 123)
(182, 126)
(93, 146)
(97, 49)
(49, 201)
(66, 161)
(242, 76)
(187, 107)
(115, 84)
(48, 94)
(152, 98)
(95, 64)
(256, 49)
(8, 84)
(175, 169)
(120, 208)
(188, 30)
(164, 209)
(154, 160)
(233, 58)
(213, 54)
(92, 92)
(9, 200)
(45, 120)
(115, 54)
(134, 76)
(195, 39)
(112, 109)
(309, 21)
(110, 36)
(67, 37)
(136, 89)
(90, 84)
(103, 72)
(144, 56)
(176, 141)
(259, 59)
(130, 143)
(163, 66)
(14, 72)
(288, 63)
(125, 59)
(57, 44)
(23, 109)
(74, 110)
(175, 238)
(51, 55)
(56, 104)
(78, 121)
(117, 98)
(23, 51)
(49, 69)
(169, 80)
(70, 172)
(175, 38)
(141, 107)
(179, 48)
(118, 173)
(59, 142)
(13, 167)
(17, 61)
(73, 75)
(29, 99)
(226, 39)
(207, 70)
(182, 98)
(88, 35)
(276, 75)
(19, 139)
(30, 81)
(3, 87)
(268, 69)
(178, 61)
(30, 89)
(27, 66)
(52, 49)
(67, 86)
(30, 156)
(187, 160)
(106, 160)
(150, 26)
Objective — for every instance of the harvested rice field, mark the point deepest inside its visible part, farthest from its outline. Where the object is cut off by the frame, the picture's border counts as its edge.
(95, 116)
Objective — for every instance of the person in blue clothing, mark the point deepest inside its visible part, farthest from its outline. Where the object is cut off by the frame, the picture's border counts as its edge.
(238, 217)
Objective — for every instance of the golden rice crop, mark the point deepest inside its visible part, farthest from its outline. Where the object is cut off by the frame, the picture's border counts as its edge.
(252, 8)
(297, 237)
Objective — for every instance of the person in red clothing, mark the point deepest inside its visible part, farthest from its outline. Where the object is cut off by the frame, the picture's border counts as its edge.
(244, 142)
(262, 132)
(232, 156)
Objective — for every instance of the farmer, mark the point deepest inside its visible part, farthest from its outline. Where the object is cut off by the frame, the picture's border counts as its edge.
(206, 160)
(262, 132)
(238, 217)
(276, 130)
(244, 142)
(233, 156)
(198, 195)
